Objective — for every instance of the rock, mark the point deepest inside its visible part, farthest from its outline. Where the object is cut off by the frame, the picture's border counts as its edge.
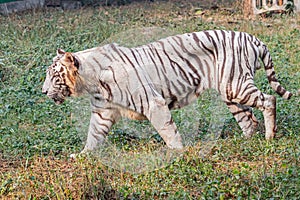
(16, 6)
(71, 5)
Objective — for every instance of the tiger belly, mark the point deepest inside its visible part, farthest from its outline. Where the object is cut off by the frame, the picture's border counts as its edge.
(130, 114)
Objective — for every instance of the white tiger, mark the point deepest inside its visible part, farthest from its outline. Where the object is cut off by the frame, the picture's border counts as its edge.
(147, 81)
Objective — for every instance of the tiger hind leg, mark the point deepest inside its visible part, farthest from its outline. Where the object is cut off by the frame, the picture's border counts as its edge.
(244, 117)
(160, 117)
(265, 103)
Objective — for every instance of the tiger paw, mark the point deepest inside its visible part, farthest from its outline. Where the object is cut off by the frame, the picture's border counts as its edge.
(83, 154)
(74, 156)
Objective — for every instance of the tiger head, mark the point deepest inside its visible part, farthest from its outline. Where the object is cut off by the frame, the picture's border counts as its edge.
(61, 77)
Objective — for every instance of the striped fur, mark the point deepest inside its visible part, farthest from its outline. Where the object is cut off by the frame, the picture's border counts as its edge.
(147, 81)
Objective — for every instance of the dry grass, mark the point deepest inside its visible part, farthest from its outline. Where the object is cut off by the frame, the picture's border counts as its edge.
(87, 178)
(34, 145)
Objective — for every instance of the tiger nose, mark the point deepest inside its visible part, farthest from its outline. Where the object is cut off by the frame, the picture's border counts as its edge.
(44, 91)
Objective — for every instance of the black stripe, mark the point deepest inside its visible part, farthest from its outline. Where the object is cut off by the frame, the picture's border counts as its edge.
(191, 55)
(107, 88)
(272, 77)
(240, 120)
(153, 61)
(181, 70)
(251, 88)
(94, 59)
(106, 126)
(190, 65)
(137, 75)
(103, 118)
(115, 80)
(103, 131)
(211, 39)
(254, 102)
(117, 51)
(142, 107)
(135, 58)
(198, 42)
(160, 59)
(223, 63)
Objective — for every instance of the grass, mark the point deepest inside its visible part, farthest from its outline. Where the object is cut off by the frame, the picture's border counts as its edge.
(37, 136)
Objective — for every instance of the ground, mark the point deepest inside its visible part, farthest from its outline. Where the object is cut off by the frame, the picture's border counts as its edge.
(36, 136)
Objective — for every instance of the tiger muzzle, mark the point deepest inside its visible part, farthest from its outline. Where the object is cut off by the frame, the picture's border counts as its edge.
(56, 97)
(58, 100)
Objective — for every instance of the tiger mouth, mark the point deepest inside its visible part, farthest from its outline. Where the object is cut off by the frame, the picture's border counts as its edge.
(58, 101)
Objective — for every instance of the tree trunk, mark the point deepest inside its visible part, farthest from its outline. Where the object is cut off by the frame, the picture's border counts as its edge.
(297, 5)
(247, 8)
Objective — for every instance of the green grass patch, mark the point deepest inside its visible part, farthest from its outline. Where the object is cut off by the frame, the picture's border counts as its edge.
(36, 136)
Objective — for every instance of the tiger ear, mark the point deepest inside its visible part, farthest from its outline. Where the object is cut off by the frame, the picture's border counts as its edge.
(60, 52)
(70, 61)
(68, 57)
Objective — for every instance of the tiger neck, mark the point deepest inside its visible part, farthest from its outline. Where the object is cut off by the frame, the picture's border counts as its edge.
(89, 71)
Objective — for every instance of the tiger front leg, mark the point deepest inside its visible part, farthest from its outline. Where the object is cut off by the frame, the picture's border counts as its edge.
(161, 119)
(100, 123)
